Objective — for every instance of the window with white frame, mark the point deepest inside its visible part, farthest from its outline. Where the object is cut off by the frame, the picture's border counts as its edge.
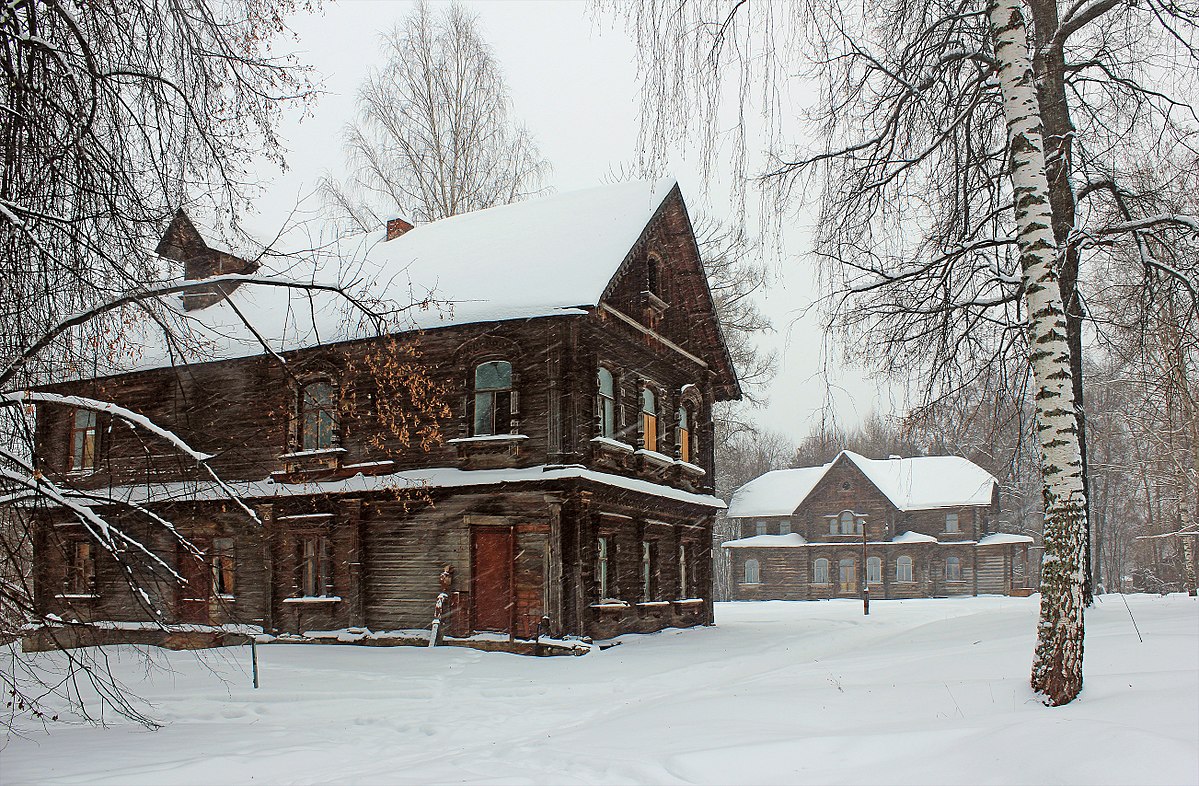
(903, 570)
(753, 574)
(951, 522)
(493, 398)
(850, 523)
(606, 402)
(874, 570)
(682, 434)
(953, 569)
(820, 571)
(83, 440)
(601, 567)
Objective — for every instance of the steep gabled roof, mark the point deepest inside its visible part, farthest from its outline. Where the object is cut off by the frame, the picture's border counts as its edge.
(918, 483)
(552, 256)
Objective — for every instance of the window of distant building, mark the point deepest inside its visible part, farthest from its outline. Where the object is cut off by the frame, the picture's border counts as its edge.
(317, 415)
(752, 572)
(903, 570)
(649, 419)
(606, 402)
(953, 569)
(820, 571)
(83, 440)
(874, 570)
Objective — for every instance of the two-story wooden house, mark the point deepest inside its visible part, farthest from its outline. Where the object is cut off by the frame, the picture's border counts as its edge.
(580, 362)
(907, 527)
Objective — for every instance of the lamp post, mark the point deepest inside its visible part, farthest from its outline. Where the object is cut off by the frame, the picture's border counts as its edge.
(865, 576)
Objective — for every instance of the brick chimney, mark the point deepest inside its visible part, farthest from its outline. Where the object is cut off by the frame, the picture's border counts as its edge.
(397, 227)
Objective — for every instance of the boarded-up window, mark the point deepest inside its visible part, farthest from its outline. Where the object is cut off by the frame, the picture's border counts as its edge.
(317, 409)
(820, 571)
(649, 418)
(224, 576)
(903, 569)
(682, 435)
(494, 401)
(953, 569)
(315, 577)
(83, 440)
(753, 574)
(81, 568)
(606, 402)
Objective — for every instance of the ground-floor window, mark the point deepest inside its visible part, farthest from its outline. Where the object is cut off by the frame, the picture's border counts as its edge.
(684, 573)
(648, 590)
(601, 567)
(953, 569)
(874, 570)
(224, 578)
(752, 573)
(903, 570)
(316, 566)
(820, 571)
(81, 568)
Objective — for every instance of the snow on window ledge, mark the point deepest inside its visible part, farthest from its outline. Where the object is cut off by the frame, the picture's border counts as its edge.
(610, 604)
(76, 596)
(688, 602)
(314, 599)
(651, 604)
(486, 438)
(299, 454)
(614, 444)
(654, 456)
(694, 469)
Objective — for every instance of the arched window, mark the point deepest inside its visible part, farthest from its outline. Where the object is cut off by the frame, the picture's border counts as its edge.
(493, 398)
(820, 571)
(953, 569)
(850, 524)
(317, 411)
(653, 276)
(753, 574)
(874, 570)
(606, 402)
(903, 570)
(649, 418)
(682, 434)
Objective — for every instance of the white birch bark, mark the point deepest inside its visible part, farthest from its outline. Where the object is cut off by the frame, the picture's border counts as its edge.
(1057, 665)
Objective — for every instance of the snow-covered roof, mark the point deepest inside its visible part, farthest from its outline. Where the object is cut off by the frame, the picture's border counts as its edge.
(428, 478)
(1003, 538)
(777, 493)
(913, 537)
(544, 257)
(790, 540)
(917, 483)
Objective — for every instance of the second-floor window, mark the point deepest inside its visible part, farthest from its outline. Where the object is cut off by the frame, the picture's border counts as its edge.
(649, 419)
(606, 403)
(846, 524)
(317, 410)
(83, 440)
(682, 434)
(493, 398)
(951, 522)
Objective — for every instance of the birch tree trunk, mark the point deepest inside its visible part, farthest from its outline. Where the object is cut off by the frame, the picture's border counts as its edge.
(1057, 664)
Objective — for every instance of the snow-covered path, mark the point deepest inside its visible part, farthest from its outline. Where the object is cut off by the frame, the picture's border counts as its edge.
(924, 691)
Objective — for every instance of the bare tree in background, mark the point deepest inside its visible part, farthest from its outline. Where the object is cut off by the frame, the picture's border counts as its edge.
(435, 135)
(945, 216)
(115, 115)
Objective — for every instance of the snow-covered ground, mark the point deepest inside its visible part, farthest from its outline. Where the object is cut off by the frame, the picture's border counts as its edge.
(922, 691)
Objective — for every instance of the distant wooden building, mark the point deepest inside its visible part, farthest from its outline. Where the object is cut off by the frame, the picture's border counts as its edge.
(907, 527)
(582, 359)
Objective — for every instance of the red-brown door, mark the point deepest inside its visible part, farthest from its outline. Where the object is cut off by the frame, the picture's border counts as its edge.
(491, 590)
(193, 595)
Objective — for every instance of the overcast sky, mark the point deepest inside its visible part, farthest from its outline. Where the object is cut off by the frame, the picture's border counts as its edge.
(573, 82)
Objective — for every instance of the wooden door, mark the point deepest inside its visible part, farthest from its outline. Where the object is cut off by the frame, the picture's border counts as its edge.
(193, 595)
(849, 575)
(492, 597)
